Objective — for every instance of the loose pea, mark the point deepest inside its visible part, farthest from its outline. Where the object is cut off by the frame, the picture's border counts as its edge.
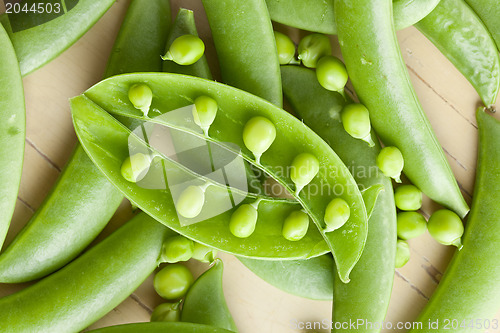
(286, 48)
(304, 168)
(295, 226)
(258, 135)
(410, 225)
(135, 167)
(173, 281)
(243, 221)
(390, 162)
(185, 50)
(204, 112)
(337, 213)
(177, 248)
(446, 227)
(408, 197)
(402, 253)
(356, 122)
(204, 253)
(169, 312)
(141, 96)
(331, 73)
(313, 47)
(190, 202)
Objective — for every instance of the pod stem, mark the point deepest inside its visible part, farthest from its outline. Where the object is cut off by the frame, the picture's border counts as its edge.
(458, 243)
(368, 139)
(167, 56)
(256, 203)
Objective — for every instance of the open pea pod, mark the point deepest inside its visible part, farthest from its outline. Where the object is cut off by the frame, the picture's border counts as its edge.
(235, 108)
(158, 327)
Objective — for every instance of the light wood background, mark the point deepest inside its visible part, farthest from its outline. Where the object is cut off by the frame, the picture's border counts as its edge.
(449, 101)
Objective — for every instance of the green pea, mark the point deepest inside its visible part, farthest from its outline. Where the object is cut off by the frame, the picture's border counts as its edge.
(258, 135)
(286, 48)
(402, 253)
(336, 214)
(295, 226)
(408, 197)
(141, 96)
(304, 168)
(331, 73)
(390, 161)
(185, 50)
(204, 112)
(204, 253)
(243, 221)
(446, 227)
(177, 248)
(356, 122)
(173, 281)
(169, 312)
(135, 167)
(313, 47)
(410, 225)
(191, 201)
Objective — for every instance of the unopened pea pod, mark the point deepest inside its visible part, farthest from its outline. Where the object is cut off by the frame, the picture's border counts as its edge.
(161, 328)
(93, 284)
(371, 51)
(469, 288)
(236, 109)
(488, 11)
(205, 302)
(461, 36)
(319, 15)
(367, 295)
(12, 131)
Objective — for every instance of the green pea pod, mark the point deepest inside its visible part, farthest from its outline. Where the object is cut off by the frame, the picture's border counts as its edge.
(205, 303)
(160, 328)
(73, 213)
(371, 52)
(461, 36)
(367, 295)
(246, 48)
(92, 285)
(469, 289)
(31, 45)
(488, 11)
(12, 131)
(319, 15)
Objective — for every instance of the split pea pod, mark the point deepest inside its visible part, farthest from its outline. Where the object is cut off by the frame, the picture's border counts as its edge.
(93, 284)
(371, 52)
(461, 36)
(469, 289)
(319, 15)
(74, 213)
(12, 131)
(160, 328)
(489, 12)
(246, 48)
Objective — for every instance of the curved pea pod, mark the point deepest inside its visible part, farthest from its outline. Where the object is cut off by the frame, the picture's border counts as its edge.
(12, 131)
(378, 73)
(488, 11)
(60, 33)
(469, 288)
(367, 295)
(160, 328)
(319, 15)
(93, 284)
(461, 36)
(205, 304)
(246, 48)
(236, 108)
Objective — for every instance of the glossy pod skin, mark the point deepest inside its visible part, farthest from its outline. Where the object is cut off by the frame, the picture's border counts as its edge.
(367, 295)
(461, 36)
(319, 15)
(160, 328)
(371, 52)
(93, 284)
(469, 288)
(205, 303)
(12, 131)
(488, 11)
(60, 33)
(235, 108)
(74, 213)
(246, 48)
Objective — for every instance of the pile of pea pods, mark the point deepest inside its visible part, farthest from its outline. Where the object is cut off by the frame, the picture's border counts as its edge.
(329, 234)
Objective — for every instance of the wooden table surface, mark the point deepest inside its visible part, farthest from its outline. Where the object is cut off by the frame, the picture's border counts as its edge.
(448, 99)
